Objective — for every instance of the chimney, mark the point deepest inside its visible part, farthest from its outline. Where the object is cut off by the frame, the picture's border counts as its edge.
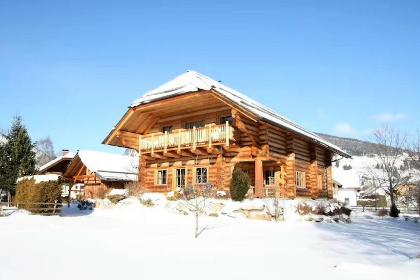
(64, 152)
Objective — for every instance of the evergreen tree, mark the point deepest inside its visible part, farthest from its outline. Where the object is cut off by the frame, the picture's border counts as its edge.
(17, 157)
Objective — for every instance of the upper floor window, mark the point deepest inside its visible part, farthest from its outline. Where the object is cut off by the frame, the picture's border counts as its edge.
(201, 175)
(190, 125)
(300, 179)
(223, 120)
(167, 129)
(269, 177)
(161, 177)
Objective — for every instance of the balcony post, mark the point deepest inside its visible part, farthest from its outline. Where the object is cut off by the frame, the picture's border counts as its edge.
(179, 140)
(209, 132)
(153, 143)
(165, 140)
(227, 133)
(194, 138)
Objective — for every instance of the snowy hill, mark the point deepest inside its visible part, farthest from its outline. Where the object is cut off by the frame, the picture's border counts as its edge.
(353, 146)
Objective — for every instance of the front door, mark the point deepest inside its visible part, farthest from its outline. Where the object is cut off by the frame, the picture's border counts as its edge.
(180, 178)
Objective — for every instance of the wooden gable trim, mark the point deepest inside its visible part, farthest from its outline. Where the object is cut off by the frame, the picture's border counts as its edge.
(123, 120)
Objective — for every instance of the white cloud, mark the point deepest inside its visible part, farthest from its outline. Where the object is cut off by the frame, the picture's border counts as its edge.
(344, 129)
(387, 117)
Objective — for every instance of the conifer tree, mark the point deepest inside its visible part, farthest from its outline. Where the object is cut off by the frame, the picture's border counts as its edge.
(17, 157)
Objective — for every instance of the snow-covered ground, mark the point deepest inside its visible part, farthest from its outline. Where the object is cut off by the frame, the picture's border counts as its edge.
(135, 242)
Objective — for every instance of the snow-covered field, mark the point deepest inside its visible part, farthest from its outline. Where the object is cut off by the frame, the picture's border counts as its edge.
(136, 242)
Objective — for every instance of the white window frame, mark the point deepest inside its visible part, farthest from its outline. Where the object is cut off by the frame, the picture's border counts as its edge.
(199, 178)
(161, 177)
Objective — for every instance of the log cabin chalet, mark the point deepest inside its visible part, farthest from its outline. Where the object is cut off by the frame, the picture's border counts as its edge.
(195, 130)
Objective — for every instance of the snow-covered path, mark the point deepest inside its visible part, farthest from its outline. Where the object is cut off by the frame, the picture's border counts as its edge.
(135, 242)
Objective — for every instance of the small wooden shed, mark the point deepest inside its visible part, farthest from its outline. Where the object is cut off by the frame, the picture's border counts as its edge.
(101, 172)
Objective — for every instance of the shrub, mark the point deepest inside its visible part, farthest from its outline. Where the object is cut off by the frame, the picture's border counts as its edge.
(239, 184)
(147, 202)
(85, 205)
(133, 188)
(394, 212)
(44, 192)
(115, 198)
(320, 209)
(303, 208)
(382, 212)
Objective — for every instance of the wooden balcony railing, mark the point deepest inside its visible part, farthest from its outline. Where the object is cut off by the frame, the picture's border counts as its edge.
(203, 136)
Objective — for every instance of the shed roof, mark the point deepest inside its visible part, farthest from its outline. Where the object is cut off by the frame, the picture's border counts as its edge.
(192, 81)
(58, 164)
(108, 167)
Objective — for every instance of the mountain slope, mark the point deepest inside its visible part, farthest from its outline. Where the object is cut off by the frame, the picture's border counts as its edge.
(353, 146)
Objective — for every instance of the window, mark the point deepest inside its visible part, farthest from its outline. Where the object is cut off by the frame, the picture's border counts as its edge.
(161, 177)
(269, 177)
(320, 182)
(180, 178)
(300, 179)
(190, 125)
(223, 120)
(167, 129)
(201, 175)
(346, 201)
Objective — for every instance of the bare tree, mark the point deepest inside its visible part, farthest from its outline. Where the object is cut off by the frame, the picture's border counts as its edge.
(195, 199)
(389, 155)
(45, 151)
(275, 208)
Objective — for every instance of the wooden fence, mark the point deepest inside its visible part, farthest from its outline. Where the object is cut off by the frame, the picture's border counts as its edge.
(45, 208)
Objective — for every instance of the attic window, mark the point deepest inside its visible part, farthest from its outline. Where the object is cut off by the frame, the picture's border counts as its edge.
(190, 125)
(167, 129)
(225, 119)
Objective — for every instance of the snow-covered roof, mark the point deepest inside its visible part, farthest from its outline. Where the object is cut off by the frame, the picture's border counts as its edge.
(53, 162)
(192, 81)
(110, 167)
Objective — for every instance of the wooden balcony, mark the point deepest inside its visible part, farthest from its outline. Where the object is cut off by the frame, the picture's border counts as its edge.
(208, 136)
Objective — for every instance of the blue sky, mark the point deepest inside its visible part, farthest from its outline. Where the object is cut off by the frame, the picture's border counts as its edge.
(71, 68)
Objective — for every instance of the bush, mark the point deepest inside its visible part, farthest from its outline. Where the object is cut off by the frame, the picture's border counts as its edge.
(147, 202)
(382, 213)
(320, 209)
(44, 192)
(115, 198)
(85, 205)
(133, 188)
(394, 212)
(303, 208)
(239, 184)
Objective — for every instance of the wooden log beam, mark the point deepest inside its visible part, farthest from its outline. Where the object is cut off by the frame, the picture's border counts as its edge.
(242, 127)
(185, 153)
(158, 155)
(259, 179)
(199, 151)
(171, 154)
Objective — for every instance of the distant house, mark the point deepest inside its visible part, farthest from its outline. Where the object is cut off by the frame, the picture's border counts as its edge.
(195, 130)
(99, 172)
(346, 195)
